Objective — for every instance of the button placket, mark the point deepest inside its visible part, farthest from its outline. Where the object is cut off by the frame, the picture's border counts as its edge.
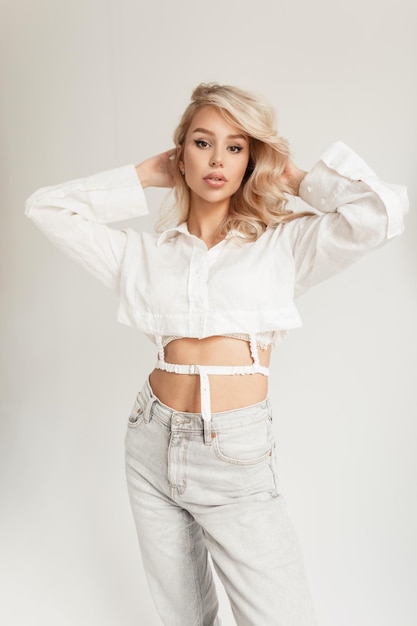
(197, 284)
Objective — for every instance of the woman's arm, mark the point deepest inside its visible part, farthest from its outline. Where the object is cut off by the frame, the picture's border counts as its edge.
(74, 217)
(356, 213)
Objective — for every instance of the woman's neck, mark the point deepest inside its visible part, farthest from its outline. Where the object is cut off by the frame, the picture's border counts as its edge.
(205, 219)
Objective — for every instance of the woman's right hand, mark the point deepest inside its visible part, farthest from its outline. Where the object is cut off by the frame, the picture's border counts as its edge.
(158, 171)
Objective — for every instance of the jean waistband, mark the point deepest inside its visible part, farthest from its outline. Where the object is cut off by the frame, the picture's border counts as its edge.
(222, 420)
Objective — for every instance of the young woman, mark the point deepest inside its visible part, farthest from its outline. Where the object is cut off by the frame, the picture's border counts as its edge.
(215, 291)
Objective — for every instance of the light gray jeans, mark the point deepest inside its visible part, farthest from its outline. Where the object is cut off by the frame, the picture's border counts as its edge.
(198, 488)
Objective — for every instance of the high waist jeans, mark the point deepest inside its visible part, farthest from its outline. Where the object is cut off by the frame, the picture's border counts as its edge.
(197, 487)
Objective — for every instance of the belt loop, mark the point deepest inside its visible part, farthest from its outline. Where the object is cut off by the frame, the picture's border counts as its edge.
(207, 432)
(148, 408)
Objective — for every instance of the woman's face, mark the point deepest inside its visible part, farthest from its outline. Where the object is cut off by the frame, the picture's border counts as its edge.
(215, 157)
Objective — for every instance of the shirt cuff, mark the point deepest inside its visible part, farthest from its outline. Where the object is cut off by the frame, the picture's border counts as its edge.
(113, 195)
(341, 176)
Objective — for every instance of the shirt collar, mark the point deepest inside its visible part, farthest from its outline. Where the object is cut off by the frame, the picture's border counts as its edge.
(171, 233)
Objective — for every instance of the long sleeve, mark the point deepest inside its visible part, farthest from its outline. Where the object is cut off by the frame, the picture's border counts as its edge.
(74, 216)
(356, 213)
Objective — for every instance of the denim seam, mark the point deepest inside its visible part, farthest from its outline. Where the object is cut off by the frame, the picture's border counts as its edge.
(197, 579)
(239, 426)
(184, 447)
(242, 462)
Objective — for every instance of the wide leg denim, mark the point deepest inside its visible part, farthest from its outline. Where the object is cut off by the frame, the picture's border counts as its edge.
(193, 493)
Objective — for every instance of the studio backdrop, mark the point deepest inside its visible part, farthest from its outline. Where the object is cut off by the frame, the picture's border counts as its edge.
(89, 85)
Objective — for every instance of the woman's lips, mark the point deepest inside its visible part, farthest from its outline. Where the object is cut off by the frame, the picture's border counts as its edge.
(215, 180)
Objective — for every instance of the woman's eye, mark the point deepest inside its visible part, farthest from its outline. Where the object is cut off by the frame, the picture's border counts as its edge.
(200, 143)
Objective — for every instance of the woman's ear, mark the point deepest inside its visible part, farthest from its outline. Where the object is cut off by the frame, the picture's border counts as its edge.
(180, 161)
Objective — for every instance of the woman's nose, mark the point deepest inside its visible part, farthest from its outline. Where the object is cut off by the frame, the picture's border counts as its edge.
(216, 160)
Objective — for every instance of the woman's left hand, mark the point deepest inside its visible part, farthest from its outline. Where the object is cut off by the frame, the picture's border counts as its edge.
(292, 176)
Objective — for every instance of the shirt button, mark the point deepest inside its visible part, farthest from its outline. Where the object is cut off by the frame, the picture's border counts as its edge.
(308, 188)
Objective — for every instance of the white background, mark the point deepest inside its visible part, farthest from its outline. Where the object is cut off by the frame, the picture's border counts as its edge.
(87, 85)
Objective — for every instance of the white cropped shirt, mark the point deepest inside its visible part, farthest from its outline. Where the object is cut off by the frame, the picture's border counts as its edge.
(171, 285)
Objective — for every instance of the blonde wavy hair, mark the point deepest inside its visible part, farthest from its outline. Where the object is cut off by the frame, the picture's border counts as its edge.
(260, 201)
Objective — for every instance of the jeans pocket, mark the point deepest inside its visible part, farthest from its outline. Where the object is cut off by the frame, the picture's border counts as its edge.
(245, 445)
(136, 414)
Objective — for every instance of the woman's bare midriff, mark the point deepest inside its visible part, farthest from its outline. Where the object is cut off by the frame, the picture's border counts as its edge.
(182, 391)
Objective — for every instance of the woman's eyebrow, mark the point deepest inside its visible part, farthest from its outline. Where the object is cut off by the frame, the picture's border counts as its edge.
(209, 132)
